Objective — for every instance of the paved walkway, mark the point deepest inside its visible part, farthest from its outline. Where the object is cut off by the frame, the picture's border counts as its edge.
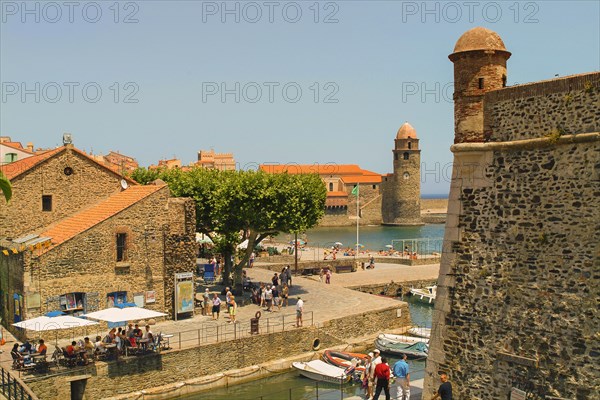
(321, 303)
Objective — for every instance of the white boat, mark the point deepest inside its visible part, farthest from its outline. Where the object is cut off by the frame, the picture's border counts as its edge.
(402, 338)
(427, 293)
(321, 371)
(420, 331)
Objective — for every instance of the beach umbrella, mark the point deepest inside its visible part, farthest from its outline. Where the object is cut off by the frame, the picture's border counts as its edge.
(124, 312)
(300, 242)
(338, 243)
(359, 245)
(389, 246)
(45, 323)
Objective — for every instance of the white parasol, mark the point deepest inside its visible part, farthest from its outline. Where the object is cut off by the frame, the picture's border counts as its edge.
(124, 312)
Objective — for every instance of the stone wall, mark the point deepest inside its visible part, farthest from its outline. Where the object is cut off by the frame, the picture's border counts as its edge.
(144, 372)
(396, 289)
(87, 262)
(49, 178)
(563, 106)
(519, 283)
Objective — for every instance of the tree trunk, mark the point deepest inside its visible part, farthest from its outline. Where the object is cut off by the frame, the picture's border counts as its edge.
(228, 266)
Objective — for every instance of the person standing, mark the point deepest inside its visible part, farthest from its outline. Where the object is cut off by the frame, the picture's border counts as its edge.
(276, 302)
(369, 376)
(285, 292)
(382, 374)
(275, 280)
(228, 298)
(328, 276)
(216, 306)
(251, 261)
(269, 298)
(288, 275)
(401, 388)
(321, 274)
(206, 299)
(445, 390)
(299, 312)
(232, 309)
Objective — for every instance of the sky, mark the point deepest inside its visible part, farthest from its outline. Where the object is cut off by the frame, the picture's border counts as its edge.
(282, 82)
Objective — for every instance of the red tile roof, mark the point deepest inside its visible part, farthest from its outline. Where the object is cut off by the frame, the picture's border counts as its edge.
(13, 170)
(18, 146)
(347, 171)
(72, 226)
(337, 194)
(16, 168)
(362, 179)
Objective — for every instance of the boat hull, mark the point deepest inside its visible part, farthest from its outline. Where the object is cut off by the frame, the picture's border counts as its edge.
(398, 349)
(343, 359)
(402, 339)
(316, 374)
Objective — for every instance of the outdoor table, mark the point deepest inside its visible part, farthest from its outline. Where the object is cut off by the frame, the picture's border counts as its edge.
(167, 337)
(142, 343)
(111, 349)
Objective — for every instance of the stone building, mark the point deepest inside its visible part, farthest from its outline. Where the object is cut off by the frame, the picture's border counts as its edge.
(401, 190)
(220, 161)
(392, 199)
(340, 180)
(77, 236)
(517, 298)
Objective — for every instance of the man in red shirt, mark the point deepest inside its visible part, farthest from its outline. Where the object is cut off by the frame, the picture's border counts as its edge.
(382, 374)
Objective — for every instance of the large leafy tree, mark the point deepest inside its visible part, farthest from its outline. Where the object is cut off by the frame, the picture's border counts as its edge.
(235, 206)
(5, 187)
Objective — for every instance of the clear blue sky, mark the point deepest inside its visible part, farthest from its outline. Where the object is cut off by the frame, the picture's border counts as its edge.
(372, 60)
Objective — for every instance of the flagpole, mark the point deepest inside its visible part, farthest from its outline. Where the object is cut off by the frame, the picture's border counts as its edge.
(357, 214)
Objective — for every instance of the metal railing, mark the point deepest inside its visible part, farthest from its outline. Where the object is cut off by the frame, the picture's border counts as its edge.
(13, 388)
(209, 332)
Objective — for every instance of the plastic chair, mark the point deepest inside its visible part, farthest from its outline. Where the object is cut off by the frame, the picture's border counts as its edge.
(209, 277)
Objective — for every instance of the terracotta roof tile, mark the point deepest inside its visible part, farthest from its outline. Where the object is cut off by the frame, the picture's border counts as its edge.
(337, 194)
(72, 226)
(362, 179)
(16, 168)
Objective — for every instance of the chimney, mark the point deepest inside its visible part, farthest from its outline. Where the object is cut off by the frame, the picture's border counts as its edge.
(30, 147)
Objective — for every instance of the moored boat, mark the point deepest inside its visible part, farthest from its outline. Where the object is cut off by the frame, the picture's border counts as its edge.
(415, 350)
(420, 331)
(345, 360)
(402, 338)
(321, 371)
(428, 293)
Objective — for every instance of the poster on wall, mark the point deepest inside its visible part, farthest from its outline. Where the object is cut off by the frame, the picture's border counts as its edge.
(150, 296)
(185, 297)
(138, 299)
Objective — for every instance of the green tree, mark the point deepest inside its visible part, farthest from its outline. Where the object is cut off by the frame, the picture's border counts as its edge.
(5, 187)
(235, 206)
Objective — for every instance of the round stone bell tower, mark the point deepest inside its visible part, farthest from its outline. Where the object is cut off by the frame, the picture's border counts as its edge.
(402, 201)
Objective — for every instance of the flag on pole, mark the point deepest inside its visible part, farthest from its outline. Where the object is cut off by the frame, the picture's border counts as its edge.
(355, 190)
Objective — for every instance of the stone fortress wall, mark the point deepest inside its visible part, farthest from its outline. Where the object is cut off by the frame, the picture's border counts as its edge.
(517, 304)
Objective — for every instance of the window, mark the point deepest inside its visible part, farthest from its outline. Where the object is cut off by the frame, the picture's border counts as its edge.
(72, 303)
(503, 80)
(121, 247)
(374, 187)
(47, 202)
(396, 156)
(406, 156)
(331, 186)
(115, 298)
(10, 157)
(480, 83)
(406, 175)
(409, 145)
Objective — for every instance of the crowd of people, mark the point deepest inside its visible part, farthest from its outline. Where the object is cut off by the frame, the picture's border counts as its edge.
(394, 381)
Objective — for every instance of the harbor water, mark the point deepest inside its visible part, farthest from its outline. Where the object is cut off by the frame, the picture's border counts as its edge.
(291, 385)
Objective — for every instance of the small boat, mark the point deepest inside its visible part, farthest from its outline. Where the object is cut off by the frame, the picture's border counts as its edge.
(428, 293)
(420, 331)
(415, 350)
(342, 359)
(321, 371)
(402, 338)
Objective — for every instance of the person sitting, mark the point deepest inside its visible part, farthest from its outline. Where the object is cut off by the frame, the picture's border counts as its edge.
(16, 356)
(89, 348)
(42, 348)
(100, 346)
(25, 348)
(70, 350)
